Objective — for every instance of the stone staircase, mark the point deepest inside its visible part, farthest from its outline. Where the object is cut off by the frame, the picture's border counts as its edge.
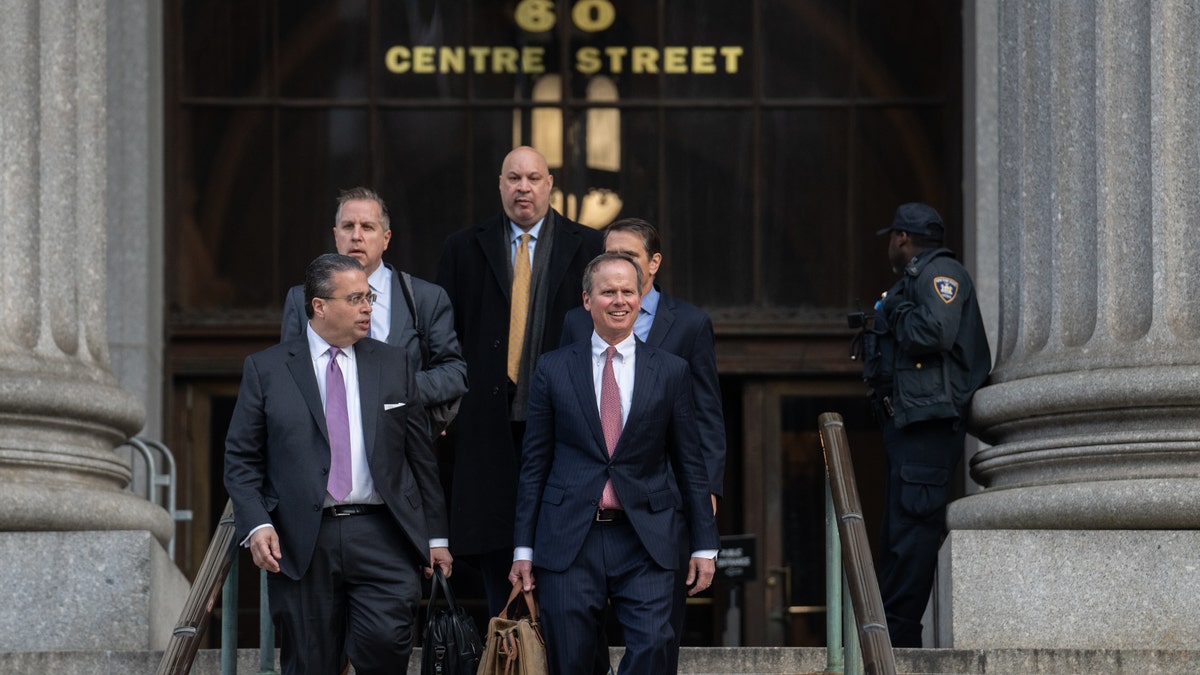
(700, 661)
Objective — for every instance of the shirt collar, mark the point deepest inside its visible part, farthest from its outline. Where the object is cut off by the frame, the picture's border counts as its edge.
(515, 232)
(380, 279)
(650, 301)
(624, 347)
(317, 346)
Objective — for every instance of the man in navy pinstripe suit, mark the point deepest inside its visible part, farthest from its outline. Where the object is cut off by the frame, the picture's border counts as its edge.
(598, 514)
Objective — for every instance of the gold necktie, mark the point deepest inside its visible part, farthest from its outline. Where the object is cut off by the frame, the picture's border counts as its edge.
(519, 307)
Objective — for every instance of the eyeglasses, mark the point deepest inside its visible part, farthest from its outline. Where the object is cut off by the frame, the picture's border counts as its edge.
(355, 299)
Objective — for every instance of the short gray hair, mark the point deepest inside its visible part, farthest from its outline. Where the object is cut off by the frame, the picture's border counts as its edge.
(590, 270)
(365, 194)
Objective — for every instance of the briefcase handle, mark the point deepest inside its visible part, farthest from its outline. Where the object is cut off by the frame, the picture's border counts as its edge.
(518, 589)
(440, 580)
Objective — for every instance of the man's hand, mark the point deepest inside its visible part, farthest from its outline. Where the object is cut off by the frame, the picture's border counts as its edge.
(700, 574)
(264, 547)
(714, 501)
(522, 573)
(441, 557)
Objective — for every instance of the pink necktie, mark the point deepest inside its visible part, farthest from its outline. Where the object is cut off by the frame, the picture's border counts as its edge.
(338, 422)
(610, 422)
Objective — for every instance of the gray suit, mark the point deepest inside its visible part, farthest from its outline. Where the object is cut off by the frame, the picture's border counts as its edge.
(445, 377)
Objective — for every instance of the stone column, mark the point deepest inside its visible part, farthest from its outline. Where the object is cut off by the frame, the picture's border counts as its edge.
(61, 412)
(70, 585)
(1093, 408)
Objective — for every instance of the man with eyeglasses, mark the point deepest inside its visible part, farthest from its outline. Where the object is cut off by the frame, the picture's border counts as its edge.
(408, 312)
(335, 488)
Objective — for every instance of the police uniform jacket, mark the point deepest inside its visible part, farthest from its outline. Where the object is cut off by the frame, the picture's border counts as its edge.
(932, 352)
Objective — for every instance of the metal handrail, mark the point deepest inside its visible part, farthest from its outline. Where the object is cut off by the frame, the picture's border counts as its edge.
(856, 550)
(156, 480)
(218, 574)
(839, 617)
(185, 639)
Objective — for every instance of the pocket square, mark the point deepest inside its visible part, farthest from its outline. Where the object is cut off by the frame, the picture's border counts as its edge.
(390, 406)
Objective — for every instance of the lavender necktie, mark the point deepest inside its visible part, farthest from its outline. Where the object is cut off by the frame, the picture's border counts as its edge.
(610, 422)
(338, 422)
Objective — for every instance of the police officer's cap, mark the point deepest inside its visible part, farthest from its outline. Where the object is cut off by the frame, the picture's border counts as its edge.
(916, 218)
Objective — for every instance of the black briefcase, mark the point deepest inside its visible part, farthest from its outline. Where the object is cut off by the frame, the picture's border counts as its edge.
(452, 645)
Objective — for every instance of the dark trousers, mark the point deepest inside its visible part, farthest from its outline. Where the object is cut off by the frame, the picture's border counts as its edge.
(613, 565)
(357, 599)
(921, 461)
(603, 665)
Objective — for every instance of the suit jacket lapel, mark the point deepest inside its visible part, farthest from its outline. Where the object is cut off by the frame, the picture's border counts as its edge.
(301, 367)
(645, 381)
(400, 320)
(663, 318)
(585, 389)
(566, 242)
(368, 391)
(493, 239)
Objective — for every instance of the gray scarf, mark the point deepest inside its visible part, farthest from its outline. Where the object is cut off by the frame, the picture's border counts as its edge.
(535, 325)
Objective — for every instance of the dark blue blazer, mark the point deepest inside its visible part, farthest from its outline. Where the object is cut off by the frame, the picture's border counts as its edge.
(685, 331)
(565, 462)
(277, 449)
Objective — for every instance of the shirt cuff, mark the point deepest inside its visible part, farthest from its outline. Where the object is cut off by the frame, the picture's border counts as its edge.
(439, 543)
(710, 553)
(246, 541)
(523, 553)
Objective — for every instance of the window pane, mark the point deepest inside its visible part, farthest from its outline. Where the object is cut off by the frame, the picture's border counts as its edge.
(908, 49)
(226, 47)
(323, 49)
(709, 230)
(225, 210)
(407, 32)
(320, 153)
(707, 43)
(425, 178)
(900, 156)
(804, 208)
(807, 48)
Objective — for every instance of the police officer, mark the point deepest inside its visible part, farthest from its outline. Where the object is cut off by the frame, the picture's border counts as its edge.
(924, 356)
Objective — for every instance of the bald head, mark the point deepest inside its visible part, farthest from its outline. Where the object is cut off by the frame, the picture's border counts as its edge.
(525, 184)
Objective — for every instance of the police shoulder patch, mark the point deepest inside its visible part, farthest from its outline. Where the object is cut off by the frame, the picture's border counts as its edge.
(946, 288)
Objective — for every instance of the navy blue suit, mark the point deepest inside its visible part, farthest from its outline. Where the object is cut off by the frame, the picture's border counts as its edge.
(685, 331)
(658, 473)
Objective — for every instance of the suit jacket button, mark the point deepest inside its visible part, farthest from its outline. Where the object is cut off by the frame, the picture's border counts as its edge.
(316, 507)
(496, 344)
(495, 390)
(325, 470)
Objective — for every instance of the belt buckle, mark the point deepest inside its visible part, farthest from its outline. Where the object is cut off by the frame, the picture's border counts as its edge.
(612, 515)
(340, 511)
(887, 406)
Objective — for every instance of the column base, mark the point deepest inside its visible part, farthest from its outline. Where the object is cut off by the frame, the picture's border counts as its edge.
(87, 591)
(1067, 589)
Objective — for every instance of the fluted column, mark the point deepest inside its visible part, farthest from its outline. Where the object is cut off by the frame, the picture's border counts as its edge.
(61, 411)
(1093, 408)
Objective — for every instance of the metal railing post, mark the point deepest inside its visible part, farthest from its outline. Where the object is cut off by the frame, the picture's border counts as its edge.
(834, 662)
(853, 651)
(229, 622)
(871, 623)
(266, 629)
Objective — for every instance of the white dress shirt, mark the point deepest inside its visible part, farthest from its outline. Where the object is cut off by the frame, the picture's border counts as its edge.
(381, 314)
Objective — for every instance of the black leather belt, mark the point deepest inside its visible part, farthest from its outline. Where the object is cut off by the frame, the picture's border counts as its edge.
(609, 515)
(339, 510)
